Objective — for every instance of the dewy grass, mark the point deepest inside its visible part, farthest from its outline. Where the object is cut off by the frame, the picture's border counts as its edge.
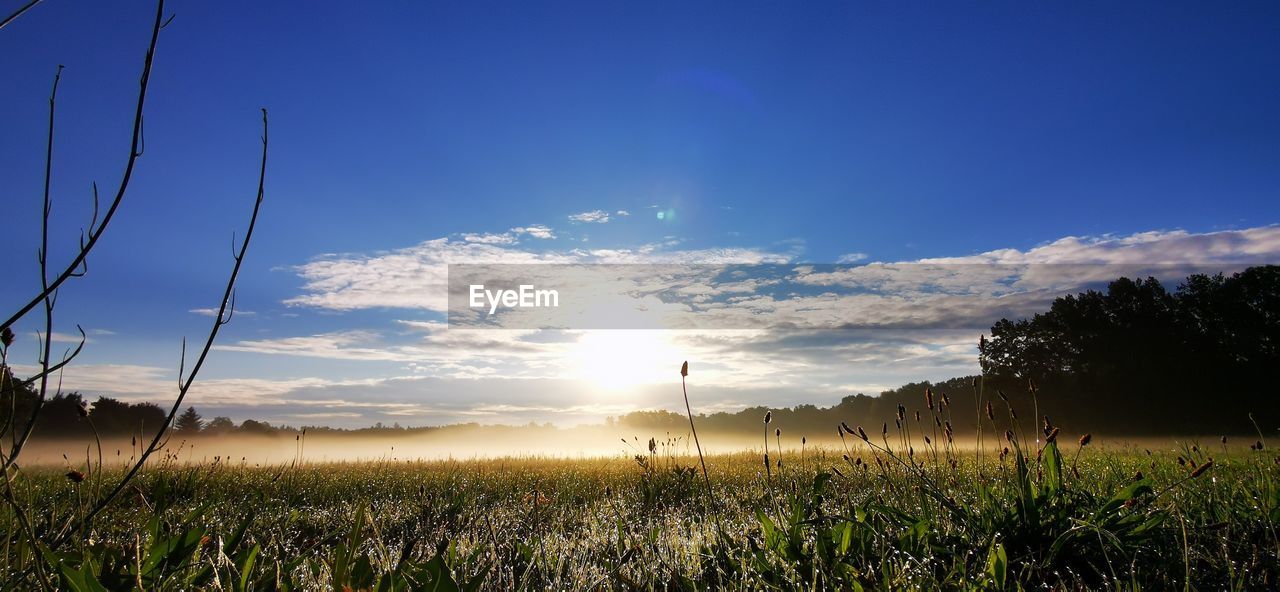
(901, 511)
(877, 521)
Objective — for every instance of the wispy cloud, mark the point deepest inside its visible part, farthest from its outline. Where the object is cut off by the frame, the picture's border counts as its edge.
(417, 277)
(917, 321)
(505, 238)
(57, 337)
(535, 231)
(1159, 247)
(209, 312)
(593, 216)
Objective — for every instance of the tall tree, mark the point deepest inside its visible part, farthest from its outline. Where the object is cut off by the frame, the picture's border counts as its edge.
(189, 422)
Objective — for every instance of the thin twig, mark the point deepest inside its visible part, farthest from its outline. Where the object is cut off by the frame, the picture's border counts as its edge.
(95, 233)
(219, 320)
(17, 13)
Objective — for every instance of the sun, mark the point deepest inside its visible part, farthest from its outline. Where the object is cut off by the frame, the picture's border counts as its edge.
(620, 360)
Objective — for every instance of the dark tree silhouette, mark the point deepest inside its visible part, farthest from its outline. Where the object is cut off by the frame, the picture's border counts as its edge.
(1140, 359)
(219, 425)
(189, 422)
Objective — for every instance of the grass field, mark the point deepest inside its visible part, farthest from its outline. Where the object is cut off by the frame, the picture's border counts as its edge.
(871, 514)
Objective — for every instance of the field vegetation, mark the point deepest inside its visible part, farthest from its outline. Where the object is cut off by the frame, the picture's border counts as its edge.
(887, 509)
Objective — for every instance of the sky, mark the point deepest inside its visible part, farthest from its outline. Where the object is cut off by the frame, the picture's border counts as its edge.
(407, 136)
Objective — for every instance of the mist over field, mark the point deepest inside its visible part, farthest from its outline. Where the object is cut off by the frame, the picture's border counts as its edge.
(515, 444)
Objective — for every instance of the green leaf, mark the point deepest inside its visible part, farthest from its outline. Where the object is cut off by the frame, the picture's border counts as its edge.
(998, 565)
(245, 566)
(1052, 469)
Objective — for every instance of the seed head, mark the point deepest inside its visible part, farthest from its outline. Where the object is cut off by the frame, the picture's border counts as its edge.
(75, 476)
(928, 398)
(6, 337)
(1200, 471)
(684, 369)
(1052, 436)
(1085, 440)
(768, 417)
(991, 414)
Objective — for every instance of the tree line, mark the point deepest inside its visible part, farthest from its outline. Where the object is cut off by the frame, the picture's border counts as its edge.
(1133, 359)
(71, 415)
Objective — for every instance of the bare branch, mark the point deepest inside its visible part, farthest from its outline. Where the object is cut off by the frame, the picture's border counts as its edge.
(70, 269)
(218, 322)
(17, 13)
(50, 295)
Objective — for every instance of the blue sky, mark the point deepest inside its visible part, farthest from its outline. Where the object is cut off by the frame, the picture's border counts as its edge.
(784, 131)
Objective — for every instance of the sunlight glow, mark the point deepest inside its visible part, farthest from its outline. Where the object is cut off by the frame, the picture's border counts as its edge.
(619, 360)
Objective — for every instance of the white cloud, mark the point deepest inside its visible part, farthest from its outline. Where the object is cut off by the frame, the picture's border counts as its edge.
(490, 239)
(593, 216)
(1160, 247)
(536, 231)
(417, 277)
(515, 375)
(57, 337)
(209, 312)
(623, 213)
(851, 258)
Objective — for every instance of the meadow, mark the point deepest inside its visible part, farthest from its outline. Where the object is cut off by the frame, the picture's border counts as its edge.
(875, 511)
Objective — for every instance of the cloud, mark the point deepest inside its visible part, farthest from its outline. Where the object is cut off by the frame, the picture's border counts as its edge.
(417, 277)
(57, 337)
(535, 231)
(490, 239)
(593, 216)
(623, 213)
(209, 312)
(898, 322)
(1158, 247)
(851, 257)
(691, 290)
